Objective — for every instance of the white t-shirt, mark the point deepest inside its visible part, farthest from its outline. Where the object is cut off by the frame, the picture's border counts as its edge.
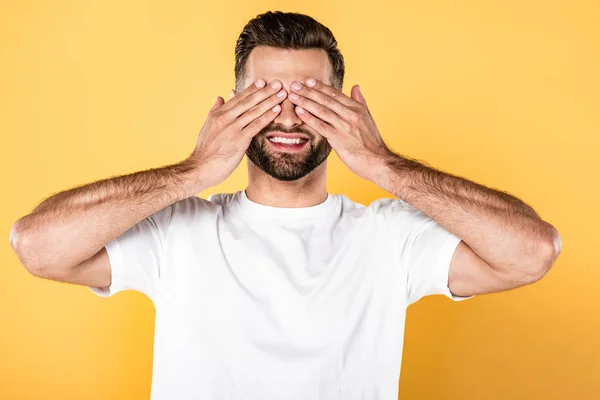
(259, 302)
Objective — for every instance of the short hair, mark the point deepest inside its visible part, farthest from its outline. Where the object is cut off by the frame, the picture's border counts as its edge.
(287, 31)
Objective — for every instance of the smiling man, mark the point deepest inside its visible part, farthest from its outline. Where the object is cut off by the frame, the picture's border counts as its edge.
(283, 290)
(284, 149)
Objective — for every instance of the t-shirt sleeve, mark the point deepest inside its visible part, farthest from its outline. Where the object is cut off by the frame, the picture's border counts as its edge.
(136, 257)
(427, 249)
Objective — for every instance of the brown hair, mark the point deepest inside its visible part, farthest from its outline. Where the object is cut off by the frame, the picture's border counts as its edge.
(287, 31)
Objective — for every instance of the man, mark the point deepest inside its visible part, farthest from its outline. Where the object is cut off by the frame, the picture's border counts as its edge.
(282, 290)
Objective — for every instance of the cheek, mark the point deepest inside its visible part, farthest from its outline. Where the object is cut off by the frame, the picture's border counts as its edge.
(319, 137)
(319, 141)
(310, 131)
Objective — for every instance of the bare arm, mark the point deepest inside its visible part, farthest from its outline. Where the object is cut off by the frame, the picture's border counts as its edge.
(72, 227)
(64, 237)
(505, 242)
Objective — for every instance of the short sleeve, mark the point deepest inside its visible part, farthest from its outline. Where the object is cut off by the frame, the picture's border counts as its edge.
(427, 249)
(136, 257)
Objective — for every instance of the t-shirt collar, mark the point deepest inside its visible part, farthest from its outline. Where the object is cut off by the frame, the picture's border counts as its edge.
(249, 208)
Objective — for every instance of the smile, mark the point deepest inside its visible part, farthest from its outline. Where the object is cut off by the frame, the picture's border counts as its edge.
(276, 139)
(288, 145)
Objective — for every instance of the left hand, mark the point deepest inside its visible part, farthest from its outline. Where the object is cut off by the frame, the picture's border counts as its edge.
(345, 122)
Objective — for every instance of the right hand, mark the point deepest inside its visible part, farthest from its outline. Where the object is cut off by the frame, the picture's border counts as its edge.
(230, 127)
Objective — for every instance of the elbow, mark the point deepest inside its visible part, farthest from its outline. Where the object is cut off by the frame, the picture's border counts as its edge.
(548, 251)
(551, 248)
(20, 242)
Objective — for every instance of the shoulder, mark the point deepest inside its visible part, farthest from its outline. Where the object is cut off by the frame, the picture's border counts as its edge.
(387, 208)
(194, 204)
(385, 213)
(189, 209)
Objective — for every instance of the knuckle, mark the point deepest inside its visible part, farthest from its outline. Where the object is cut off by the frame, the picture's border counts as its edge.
(214, 114)
(218, 123)
(322, 125)
(253, 111)
(256, 98)
(244, 102)
(261, 118)
(258, 123)
(354, 117)
(323, 110)
(221, 118)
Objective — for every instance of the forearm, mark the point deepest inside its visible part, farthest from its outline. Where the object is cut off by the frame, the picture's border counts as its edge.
(70, 227)
(499, 228)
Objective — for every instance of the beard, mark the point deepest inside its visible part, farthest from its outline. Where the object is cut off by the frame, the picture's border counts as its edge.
(287, 166)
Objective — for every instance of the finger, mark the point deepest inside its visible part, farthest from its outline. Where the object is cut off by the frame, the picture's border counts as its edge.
(253, 88)
(259, 123)
(320, 97)
(320, 111)
(260, 108)
(255, 98)
(218, 103)
(320, 126)
(331, 91)
(357, 95)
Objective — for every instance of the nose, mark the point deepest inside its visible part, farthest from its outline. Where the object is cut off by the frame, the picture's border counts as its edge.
(287, 116)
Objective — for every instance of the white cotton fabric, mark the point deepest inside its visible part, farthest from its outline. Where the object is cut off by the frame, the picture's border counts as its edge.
(260, 302)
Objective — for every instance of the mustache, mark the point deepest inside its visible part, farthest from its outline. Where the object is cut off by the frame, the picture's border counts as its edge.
(281, 128)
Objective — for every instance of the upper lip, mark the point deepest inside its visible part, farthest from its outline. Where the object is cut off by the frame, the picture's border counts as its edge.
(287, 135)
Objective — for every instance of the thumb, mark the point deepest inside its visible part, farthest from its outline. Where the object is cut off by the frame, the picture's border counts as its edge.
(357, 95)
(220, 101)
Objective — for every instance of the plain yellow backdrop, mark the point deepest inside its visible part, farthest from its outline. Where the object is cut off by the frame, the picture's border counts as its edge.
(504, 93)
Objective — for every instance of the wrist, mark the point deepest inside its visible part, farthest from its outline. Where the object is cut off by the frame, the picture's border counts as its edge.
(189, 179)
(392, 169)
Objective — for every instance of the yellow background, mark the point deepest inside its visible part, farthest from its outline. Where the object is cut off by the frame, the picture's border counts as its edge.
(505, 93)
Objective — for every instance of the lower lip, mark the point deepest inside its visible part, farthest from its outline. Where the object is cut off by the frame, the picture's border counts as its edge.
(292, 148)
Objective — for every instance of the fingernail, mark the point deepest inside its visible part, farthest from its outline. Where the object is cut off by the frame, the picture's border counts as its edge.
(281, 93)
(299, 110)
(276, 84)
(276, 108)
(296, 86)
(260, 83)
(311, 82)
(293, 96)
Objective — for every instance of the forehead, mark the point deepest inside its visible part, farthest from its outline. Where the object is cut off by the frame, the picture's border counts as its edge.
(287, 65)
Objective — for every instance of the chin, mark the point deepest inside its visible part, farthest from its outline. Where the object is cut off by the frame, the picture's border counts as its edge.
(287, 166)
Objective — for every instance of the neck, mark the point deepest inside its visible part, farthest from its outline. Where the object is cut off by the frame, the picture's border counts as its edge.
(308, 191)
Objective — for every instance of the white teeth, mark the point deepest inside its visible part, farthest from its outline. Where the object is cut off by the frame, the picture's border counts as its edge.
(286, 141)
